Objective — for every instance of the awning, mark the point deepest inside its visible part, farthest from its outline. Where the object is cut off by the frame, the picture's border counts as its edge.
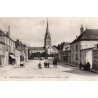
(12, 56)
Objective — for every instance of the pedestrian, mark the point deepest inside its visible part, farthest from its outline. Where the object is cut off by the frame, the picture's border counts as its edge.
(40, 66)
(88, 66)
(55, 62)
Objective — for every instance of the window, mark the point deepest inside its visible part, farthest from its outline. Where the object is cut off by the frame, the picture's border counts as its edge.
(76, 48)
(72, 48)
(76, 56)
(97, 46)
(9, 41)
(6, 40)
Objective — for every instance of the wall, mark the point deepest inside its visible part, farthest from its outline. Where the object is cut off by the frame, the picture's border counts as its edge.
(83, 56)
(88, 44)
(6, 58)
(75, 60)
(86, 56)
(50, 50)
(17, 57)
(2, 39)
(95, 59)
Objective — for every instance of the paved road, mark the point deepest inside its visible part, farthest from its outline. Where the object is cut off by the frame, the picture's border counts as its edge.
(32, 72)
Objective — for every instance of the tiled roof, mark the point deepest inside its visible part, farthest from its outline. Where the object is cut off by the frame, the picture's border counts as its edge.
(88, 34)
(36, 48)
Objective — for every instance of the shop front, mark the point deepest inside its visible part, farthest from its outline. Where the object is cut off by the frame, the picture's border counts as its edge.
(11, 59)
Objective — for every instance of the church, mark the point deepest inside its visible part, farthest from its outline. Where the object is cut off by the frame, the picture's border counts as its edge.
(47, 49)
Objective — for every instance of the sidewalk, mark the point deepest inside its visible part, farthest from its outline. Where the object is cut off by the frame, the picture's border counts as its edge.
(93, 70)
(7, 67)
(73, 65)
(69, 64)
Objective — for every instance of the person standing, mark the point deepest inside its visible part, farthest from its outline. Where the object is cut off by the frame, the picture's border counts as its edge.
(40, 66)
(55, 62)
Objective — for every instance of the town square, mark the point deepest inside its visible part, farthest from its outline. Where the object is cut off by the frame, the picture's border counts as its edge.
(49, 49)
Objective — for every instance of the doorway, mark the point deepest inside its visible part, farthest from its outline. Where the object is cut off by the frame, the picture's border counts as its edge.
(89, 57)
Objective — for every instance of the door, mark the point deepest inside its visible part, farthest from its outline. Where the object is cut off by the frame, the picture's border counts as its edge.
(89, 57)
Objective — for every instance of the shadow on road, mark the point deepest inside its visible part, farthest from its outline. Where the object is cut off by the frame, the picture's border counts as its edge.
(80, 72)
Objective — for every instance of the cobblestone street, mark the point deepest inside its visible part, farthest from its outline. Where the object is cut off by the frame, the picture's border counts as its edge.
(32, 72)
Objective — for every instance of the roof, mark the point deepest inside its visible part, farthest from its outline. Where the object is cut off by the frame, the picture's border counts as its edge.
(2, 43)
(2, 33)
(55, 49)
(88, 35)
(36, 48)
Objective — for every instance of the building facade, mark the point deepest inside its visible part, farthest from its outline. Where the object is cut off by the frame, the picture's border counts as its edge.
(2, 54)
(21, 51)
(9, 47)
(64, 53)
(82, 46)
(36, 52)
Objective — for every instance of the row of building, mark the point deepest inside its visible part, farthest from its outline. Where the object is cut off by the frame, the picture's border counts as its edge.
(11, 52)
(82, 50)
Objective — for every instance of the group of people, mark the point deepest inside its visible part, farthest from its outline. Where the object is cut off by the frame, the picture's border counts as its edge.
(85, 67)
(46, 63)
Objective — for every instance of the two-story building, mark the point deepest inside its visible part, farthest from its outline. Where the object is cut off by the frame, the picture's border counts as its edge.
(66, 53)
(82, 46)
(21, 52)
(9, 47)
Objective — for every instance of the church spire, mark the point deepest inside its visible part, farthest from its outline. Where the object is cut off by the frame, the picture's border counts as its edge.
(47, 40)
(47, 28)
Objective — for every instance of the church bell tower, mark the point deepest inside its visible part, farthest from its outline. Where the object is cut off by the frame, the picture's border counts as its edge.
(47, 40)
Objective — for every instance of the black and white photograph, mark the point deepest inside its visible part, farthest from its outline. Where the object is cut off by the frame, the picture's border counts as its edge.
(49, 48)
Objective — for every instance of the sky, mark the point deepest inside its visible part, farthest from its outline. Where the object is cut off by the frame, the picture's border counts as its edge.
(31, 30)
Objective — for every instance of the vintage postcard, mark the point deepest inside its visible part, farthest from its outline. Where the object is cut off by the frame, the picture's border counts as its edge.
(52, 48)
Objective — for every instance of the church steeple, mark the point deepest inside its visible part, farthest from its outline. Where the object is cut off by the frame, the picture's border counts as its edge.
(47, 40)
(47, 28)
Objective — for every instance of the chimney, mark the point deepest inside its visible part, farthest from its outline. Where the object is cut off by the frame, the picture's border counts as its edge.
(81, 29)
(8, 33)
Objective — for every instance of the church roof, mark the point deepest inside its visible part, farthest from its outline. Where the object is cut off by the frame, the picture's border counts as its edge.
(88, 35)
(37, 48)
